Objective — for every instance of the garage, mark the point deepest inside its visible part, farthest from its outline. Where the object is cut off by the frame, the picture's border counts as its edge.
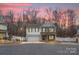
(33, 38)
(33, 33)
(37, 32)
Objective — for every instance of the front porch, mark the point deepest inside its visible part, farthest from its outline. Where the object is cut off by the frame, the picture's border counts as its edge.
(48, 36)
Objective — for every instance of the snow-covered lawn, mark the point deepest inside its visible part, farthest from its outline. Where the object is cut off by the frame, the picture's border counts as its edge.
(65, 39)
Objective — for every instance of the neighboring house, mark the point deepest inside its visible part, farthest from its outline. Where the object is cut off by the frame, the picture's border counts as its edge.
(3, 31)
(40, 32)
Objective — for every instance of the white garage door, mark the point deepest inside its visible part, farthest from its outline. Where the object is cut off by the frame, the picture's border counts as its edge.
(33, 35)
(33, 38)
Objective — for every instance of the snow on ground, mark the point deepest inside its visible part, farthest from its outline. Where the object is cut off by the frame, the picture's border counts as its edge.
(65, 39)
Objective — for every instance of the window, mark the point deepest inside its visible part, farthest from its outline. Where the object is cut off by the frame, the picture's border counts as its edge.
(33, 29)
(36, 29)
(43, 29)
(51, 37)
(1, 35)
(51, 29)
(29, 29)
(39, 29)
(46, 29)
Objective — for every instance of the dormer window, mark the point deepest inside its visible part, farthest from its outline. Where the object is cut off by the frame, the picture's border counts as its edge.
(43, 29)
(51, 30)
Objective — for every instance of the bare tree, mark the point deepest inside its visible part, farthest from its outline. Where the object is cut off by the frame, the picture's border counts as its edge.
(33, 14)
(71, 18)
(9, 18)
(10, 15)
(1, 16)
(56, 16)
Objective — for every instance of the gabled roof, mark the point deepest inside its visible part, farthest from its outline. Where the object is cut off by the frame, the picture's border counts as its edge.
(41, 25)
(3, 26)
(33, 25)
(48, 25)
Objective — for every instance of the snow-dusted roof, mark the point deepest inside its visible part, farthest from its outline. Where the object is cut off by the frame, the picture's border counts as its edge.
(3, 26)
(41, 25)
(48, 25)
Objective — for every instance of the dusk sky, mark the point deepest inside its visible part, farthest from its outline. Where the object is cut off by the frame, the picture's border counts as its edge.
(18, 7)
(57, 5)
(51, 5)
